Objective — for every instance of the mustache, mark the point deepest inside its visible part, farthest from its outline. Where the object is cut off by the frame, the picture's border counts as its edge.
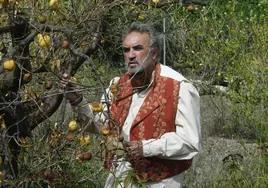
(133, 61)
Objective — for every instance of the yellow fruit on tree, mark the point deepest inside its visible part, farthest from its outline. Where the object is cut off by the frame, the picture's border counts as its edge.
(141, 17)
(84, 140)
(44, 40)
(54, 4)
(105, 131)
(96, 106)
(114, 89)
(9, 65)
(73, 126)
(39, 36)
(156, 1)
(73, 79)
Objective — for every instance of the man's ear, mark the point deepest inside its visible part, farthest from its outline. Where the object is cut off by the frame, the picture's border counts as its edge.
(154, 53)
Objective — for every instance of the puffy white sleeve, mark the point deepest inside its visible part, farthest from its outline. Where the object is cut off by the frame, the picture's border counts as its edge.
(86, 118)
(90, 121)
(185, 143)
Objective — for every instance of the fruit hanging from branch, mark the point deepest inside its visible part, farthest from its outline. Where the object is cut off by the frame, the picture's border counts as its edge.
(73, 79)
(190, 7)
(9, 65)
(65, 44)
(84, 140)
(96, 106)
(41, 19)
(83, 44)
(87, 155)
(54, 4)
(73, 126)
(27, 77)
(80, 156)
(48, 85)
(114, 89)
(142, 17)
(44, 40)
(105, 130)
(156, 1)
(70, 136)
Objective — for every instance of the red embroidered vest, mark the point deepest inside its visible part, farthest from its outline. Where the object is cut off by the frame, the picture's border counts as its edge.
(155, 118)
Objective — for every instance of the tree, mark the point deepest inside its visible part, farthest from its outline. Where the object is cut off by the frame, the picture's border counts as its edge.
(34, 42)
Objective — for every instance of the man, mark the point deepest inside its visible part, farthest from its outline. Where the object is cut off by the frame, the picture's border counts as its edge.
(156, 112)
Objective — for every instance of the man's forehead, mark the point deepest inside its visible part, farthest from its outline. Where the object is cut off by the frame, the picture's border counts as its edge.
(136, 38)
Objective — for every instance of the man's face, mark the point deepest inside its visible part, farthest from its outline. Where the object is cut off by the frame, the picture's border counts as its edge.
(137, 52)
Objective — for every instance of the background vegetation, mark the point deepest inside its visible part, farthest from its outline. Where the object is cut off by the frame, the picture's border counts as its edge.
(221, 46)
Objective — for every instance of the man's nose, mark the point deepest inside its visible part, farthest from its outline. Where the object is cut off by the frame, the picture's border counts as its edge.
(132, 54)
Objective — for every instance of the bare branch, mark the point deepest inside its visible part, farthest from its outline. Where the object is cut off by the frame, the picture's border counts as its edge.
(6, 29)
(49, 106)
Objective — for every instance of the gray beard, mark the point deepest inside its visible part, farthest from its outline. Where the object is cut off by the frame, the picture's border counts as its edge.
(134, 70)
(138, 69)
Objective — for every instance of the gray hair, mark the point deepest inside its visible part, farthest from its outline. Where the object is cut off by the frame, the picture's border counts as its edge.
(155, 37)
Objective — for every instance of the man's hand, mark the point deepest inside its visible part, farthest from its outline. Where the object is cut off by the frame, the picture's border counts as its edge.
(134, 148)
(68, 87)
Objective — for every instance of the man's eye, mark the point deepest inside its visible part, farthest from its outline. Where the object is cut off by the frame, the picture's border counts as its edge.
(138, 48)
(126, 50)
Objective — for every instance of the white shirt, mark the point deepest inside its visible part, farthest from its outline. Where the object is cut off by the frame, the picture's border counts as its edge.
(185, 143)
